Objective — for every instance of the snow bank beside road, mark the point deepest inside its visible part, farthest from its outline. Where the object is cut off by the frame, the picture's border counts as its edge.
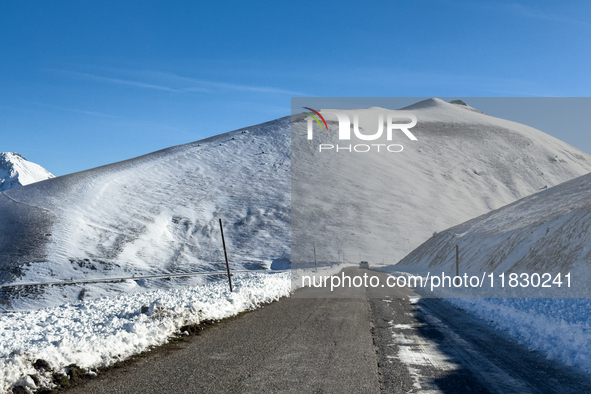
(560, 328)
(103, 331)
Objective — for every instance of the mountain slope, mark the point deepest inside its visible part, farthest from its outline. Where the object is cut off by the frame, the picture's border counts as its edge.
(153, 214)
(384, 205)
(16, 171)
(548, 232)
(159, 212)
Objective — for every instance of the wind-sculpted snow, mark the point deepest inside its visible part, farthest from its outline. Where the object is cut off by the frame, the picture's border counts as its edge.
(153, 214)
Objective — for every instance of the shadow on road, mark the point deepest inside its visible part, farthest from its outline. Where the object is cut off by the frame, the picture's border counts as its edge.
(489, 360)
(427, 344)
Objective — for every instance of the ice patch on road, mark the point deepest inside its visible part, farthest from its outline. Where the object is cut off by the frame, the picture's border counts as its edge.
(415, 351)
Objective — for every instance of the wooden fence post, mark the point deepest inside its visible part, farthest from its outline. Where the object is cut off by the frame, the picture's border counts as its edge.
(226, 256)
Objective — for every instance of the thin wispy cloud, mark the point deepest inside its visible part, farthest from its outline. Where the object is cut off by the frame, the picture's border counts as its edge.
(120, 81)
(78, 111)
(181, 84)
(221, 85)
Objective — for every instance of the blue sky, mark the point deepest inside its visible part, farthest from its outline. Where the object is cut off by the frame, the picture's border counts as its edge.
(89, 83)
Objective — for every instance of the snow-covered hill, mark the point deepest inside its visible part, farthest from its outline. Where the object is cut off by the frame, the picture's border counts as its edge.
(548, 232)
(158, 213)
(383, 205)
(153, 214)
(16, 171)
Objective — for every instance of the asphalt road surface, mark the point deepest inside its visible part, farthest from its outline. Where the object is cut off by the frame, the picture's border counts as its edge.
(374, 340)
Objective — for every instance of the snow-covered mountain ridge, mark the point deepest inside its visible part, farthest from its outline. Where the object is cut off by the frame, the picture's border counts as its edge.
(159, 212)
(383, 205)
(16, 171)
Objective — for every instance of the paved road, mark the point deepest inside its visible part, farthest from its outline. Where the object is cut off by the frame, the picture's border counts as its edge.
(361, 341)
